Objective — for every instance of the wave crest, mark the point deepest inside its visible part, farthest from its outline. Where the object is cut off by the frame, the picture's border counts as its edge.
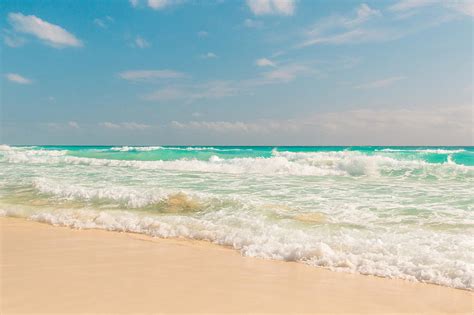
(343, 163)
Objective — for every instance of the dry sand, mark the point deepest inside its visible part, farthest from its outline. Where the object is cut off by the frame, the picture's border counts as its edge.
(46, 269)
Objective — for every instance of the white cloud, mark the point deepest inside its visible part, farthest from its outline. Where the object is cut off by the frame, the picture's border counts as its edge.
(50, 34)
(353, 37)
(219, 126)
(202, 34)
(363, 13)
(16, 78)
(159, 4)
(190, 93)
(100, 23)
(103, 22)
(125, 126)
(274, 7)
(341, 30)
(73, 124)
(63, 126)
(12, 39)
(380, 83)
(167, 94)
(155, 4)
(404, 5)
(464, 7)
(209, 55)
(146, 75)
(264, 62)
(253, 23)
(461, 6)
(449, 125)
(285, 73)
(220, 89)
(140, 42)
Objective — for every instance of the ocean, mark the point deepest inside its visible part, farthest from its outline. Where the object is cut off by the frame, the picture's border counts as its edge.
(396, 212)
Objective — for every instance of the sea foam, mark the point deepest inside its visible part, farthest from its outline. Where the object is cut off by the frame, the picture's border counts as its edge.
(367, 210)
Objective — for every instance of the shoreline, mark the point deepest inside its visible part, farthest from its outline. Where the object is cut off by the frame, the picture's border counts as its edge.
(50, 269)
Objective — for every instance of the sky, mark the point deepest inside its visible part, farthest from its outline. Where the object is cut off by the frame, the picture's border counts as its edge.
(237, 72)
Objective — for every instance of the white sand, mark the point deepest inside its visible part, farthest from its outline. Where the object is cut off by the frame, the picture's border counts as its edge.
(46, 269)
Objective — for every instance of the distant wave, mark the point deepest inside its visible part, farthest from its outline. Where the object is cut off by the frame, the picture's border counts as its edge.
(432, 151)
(154, 148)
(342, 163)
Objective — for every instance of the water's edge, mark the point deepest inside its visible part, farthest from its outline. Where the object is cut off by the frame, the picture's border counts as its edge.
(394, 212)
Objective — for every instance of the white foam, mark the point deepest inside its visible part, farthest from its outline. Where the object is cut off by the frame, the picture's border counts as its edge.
(130, 148)
(344, 163)
(366, 252)
(155, 148)
(346, 210)
(433, 151)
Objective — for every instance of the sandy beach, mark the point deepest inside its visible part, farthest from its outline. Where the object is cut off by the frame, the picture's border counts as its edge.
(47, 269)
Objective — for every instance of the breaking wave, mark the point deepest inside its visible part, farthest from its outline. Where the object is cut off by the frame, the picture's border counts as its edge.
(343, 163)
(374, 211)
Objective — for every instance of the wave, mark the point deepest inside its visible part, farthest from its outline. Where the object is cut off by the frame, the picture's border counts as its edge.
(155, 148)
(367, 252)
(343, 163)
(129, 148)
(160, 200)
(431, 151)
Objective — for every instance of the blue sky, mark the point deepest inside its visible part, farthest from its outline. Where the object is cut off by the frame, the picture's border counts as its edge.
(274, 72)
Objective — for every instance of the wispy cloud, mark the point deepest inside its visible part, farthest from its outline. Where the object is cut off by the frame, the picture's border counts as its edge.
(380, 83)
(63, 126)
(190, 93)
(362, 14)
(272, 7)
(140, 42)
(461, 6)
(285, 73)
(202, 34)
(73, 124)
(154, 4)
(279, 74)
(16, 78)
(103, 22)
(220, 126)
(159, 4)
(342, 29)
(352, 37)
(404, 126)
(167, 94)
(253, 23)
(12, 39)
(149, 75)
(124, 125)
(209, 55)
(264, 62)
(51, 34)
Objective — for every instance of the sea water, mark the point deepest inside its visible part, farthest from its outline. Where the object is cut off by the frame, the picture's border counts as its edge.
(397, 212)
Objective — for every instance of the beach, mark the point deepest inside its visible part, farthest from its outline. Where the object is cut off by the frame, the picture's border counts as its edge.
(48, 269)
(236, 157)
(394, 212)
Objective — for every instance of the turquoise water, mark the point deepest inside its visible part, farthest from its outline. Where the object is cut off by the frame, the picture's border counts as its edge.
(399, 212)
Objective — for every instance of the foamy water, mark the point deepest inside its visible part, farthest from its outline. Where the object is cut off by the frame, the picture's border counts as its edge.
(388, 211)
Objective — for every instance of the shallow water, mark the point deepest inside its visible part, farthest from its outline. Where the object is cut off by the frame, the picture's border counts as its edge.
(403, 212)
